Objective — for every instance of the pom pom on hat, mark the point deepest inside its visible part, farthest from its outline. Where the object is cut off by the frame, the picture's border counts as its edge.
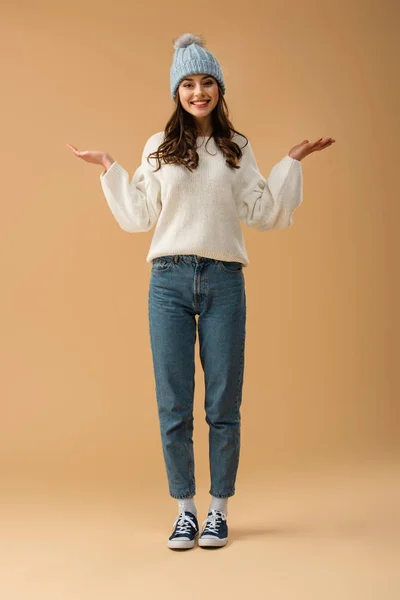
(184, 40)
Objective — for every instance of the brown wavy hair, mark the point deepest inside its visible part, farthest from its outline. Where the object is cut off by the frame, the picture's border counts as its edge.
(179, 145)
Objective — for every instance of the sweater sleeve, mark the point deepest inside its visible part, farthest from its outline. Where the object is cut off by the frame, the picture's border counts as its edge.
(135, 204)
(268, 203)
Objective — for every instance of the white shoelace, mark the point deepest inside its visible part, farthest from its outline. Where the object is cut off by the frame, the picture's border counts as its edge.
(212, 520)
(183, 523)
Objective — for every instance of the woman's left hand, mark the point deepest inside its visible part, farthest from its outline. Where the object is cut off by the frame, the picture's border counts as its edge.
(305, 148)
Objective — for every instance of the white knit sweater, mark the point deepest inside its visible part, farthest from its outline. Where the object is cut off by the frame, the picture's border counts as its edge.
(199, 212)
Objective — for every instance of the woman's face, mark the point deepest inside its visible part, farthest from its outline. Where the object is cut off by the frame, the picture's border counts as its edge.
(196, 88)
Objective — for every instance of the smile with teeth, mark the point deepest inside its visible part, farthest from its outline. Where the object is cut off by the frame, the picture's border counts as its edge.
(201, 103)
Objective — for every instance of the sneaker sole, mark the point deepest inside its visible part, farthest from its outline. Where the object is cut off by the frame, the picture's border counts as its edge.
(179, 543)
(204, 542)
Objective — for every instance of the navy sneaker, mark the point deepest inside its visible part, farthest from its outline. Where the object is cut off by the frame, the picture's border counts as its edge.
(185, 532)
(214, 529)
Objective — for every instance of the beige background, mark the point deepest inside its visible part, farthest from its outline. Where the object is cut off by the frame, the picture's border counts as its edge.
(320, 397)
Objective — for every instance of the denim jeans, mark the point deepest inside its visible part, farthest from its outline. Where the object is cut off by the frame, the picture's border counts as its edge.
(181, 287)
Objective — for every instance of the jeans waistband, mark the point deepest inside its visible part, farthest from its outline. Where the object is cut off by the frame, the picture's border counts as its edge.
(193, 258)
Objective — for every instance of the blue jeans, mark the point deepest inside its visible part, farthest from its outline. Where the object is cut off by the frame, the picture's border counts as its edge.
(181, 287)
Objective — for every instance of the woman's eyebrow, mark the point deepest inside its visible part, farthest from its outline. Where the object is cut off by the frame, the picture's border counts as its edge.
(191, 78)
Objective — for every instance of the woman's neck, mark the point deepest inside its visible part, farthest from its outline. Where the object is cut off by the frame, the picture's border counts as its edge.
(203, 134)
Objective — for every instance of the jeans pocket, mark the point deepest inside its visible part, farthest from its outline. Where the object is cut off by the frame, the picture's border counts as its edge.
(161, 264)
(229, 266)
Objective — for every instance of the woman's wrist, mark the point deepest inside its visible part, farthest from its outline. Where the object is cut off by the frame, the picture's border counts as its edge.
(107, 161)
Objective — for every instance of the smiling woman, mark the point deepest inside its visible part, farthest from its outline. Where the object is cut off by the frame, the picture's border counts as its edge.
(198, 89)
(198, 95)
(197, 199)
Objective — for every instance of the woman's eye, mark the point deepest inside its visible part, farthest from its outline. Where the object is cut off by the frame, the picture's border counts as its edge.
(187, 84)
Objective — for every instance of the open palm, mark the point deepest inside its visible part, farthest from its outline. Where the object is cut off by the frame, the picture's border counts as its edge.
(92, 156)
(305, 147)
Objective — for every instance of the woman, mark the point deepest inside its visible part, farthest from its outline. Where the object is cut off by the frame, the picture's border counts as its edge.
(197, 180)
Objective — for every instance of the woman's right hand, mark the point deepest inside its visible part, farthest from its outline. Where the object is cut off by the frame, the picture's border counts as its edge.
(93, 156)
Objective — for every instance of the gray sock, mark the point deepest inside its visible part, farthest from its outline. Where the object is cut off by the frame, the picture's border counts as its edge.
(187, 504)
(219, 504)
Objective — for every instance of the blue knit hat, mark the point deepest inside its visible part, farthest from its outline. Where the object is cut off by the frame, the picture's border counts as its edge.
(190, 57)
